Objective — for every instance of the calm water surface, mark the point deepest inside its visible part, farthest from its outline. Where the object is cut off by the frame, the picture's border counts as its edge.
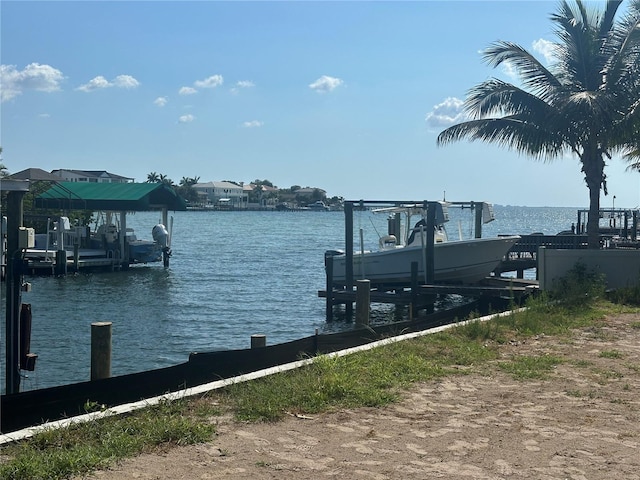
(232, 274)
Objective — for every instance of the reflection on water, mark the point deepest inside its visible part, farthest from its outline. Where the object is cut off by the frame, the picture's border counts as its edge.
(232, 274)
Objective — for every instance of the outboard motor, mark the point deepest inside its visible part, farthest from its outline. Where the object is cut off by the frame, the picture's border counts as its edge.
(161, 237)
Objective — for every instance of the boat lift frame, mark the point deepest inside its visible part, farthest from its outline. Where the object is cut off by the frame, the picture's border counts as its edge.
(430, 207)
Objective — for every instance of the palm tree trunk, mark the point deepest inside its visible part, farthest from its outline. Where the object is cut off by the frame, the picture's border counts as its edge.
(593, 218)
(593, 168)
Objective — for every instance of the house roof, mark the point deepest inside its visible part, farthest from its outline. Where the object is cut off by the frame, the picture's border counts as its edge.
(128, 197)
(227, 185)
(34, 174)
(91, 174)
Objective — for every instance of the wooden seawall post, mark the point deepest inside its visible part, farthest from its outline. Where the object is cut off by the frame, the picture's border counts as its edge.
(258, 341)
(363, 301)
(100, 350)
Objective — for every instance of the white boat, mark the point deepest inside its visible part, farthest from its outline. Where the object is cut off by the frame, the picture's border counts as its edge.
(318, 206)
(460, 261)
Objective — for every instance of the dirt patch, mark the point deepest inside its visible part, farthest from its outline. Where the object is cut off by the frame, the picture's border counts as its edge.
(580, 423)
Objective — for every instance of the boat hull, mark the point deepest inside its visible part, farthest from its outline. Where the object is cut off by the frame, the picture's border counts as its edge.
(461, 262)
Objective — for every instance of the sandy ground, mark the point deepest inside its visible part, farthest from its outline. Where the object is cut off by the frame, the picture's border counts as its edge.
(580, 423)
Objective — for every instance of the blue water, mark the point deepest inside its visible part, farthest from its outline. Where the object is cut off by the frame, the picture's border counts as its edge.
(232, 274)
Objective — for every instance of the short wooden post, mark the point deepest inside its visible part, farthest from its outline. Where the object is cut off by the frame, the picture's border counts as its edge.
(258, 341)
(100, 350)
(363, 301)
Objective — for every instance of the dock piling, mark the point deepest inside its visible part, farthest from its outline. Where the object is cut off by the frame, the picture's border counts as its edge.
(258, 341)
(100, 350)
(328, 263)
(363, 301)
(61, 262)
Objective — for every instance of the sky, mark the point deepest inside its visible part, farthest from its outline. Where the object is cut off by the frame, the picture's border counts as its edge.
(344, 96)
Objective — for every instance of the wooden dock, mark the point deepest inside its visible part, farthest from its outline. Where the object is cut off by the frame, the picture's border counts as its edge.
(423, 296)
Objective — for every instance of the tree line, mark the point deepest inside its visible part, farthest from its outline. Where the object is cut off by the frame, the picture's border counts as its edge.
(257, 194)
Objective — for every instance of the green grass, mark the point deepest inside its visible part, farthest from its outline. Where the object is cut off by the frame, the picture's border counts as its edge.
(610, 354)
(372, 378)
(525, 367)
(60, 453)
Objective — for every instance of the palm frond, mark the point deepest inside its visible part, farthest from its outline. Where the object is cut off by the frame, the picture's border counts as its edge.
(532, 73)
(497, 97)
(622, 48)
(511, 132)
(581, 62)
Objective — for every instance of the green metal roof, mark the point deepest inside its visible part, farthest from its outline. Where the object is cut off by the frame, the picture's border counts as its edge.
(130, 197)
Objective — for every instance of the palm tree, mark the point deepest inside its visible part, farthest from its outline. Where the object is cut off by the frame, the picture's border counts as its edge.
(162, 178)
(188, 181)
(153, 178)
(585, 104)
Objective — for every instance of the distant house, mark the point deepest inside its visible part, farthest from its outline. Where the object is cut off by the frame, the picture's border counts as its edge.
(35, 174)
(91, 176)
(214, 192)
(265, 195)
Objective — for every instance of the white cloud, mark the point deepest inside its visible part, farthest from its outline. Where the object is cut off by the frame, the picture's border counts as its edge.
(160, 101)
(187, 91)
(509, 70)
(99, 82)
(253, 124)
(326, 84)
(546, 48)
(94, 84)
(242, 84)
(125, 81)
(44, 115)
(445, 114)
(13, 82)
(212, 82)
(186, 118)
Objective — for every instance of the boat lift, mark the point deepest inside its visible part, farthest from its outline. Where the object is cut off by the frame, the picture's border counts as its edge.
(483, 214)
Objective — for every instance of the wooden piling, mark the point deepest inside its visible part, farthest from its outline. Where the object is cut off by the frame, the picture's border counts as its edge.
(328, 264)
(363, 301)
(348, 228)
(100, 350)
(76, 256)
(61, 262)
(429, 261)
